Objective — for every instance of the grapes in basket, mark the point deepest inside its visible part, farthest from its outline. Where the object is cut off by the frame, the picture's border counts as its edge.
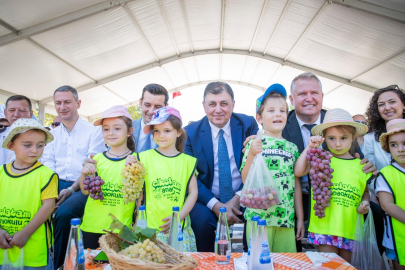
(93, 185)
(132, 183)
(145, 251)
(321, 176)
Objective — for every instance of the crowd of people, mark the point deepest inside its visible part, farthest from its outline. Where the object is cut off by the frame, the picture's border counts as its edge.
(201, 168)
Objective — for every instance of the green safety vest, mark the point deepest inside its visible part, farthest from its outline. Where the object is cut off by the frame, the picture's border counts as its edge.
(166, 183)
(395, 179)
(349, 182)
(20, 200)
(96, 213)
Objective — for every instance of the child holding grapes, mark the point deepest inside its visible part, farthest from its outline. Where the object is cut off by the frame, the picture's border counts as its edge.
(27, 198)
(332, 223)
(390, 188)
(170, 179)
(280, 155)
(105, 192)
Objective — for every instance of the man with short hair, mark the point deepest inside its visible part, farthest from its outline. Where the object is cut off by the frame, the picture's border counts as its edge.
(17, 107)
(359, 118)
(217, 141)
(154, 96)
(56, 121)
(74, 141)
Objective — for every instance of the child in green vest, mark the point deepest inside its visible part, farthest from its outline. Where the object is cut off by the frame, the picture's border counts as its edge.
(335, 231)
(280, 155)
(170, 179)
(117, 128)
(27, 197)
(390, 189)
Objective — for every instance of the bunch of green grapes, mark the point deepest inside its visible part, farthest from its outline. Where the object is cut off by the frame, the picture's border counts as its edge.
(132, 184)
(146, 251)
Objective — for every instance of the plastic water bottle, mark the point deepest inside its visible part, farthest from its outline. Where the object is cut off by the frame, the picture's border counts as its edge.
(222, 239)
(75, 252)
(261, 252)
(253, 233)
(176, 232)
(141, 222)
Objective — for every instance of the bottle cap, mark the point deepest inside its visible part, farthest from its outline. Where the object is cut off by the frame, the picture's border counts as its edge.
(75, 221)
(142, 207)
(222, 209)
(255, 218)
(175, 208)
(262, 222)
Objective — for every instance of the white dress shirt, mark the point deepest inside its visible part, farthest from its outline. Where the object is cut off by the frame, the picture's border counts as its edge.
(6, 156)
(142, 136)
(306, 134)
(66, 153)
(236, 176)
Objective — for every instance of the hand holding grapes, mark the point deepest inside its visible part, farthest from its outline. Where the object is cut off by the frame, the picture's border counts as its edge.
(89, 168)
(315, 142)
(363, 207)
(256, 147)
(130, 160)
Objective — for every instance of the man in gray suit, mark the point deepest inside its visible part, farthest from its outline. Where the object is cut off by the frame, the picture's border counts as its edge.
(154, 96)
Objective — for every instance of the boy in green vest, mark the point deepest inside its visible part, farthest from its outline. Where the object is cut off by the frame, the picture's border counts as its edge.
(390, 187)
(280, 156)
(27, 198)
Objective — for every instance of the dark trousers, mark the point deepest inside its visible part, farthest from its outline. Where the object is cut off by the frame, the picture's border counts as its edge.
(90, 240)
(378, 216)
(73, 207)
(306, 204)
(204, 224)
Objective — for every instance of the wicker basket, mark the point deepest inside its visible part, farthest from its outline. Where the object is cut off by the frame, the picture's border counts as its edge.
(173, 259)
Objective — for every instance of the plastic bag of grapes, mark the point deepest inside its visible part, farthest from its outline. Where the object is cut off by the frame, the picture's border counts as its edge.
(260, 190)
(365, 253)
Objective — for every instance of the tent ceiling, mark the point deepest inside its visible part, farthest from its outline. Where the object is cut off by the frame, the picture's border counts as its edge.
(109, 50)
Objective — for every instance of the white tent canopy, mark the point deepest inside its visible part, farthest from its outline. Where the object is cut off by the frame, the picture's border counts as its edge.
(109, 50)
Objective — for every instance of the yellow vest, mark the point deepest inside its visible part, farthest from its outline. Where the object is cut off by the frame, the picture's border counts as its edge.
(20, 200)
(96, 213)
(166, 183)
(395, 179)
(349, 182)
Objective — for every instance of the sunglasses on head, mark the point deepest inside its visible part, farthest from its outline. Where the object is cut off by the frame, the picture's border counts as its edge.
(3, 126)
(55, 124)
(361, 122)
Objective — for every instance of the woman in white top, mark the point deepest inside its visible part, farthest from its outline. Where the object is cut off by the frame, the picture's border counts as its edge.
(386, 104)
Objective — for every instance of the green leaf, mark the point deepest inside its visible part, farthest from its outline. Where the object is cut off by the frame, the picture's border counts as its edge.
(128, 235)
(148, 233)
(116, 224)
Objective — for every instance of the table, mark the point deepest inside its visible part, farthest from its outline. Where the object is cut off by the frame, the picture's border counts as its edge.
(282, 261)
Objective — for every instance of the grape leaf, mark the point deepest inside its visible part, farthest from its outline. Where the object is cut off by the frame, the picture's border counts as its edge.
(147, 233)
(128, 235)
(116, 224)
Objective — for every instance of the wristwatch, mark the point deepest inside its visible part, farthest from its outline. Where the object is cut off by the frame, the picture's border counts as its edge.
(71, 190)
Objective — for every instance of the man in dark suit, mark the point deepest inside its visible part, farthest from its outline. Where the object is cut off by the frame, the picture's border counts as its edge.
(306, 97)
(217, 141)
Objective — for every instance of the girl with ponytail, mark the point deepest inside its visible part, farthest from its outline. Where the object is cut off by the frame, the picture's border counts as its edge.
(171, 176)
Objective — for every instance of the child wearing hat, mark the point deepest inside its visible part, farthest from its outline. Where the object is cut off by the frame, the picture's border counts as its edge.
(116, 124)
(390, 187)
(334, 232)
(280, 155)
(171, 176)
(27, 198)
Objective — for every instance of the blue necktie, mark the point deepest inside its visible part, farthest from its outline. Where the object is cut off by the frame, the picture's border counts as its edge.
(224, 169)
(146, 145)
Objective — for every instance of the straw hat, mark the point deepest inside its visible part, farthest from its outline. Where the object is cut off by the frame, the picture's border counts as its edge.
(393, 126)
(338, 117)
(22, 125)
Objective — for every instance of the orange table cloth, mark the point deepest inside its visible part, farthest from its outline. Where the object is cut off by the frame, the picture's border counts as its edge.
(281, 261)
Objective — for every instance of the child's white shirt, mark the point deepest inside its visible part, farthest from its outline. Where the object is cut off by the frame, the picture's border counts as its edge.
(383, 186)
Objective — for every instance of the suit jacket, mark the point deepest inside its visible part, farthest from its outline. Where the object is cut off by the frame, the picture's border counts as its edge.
(136, 124)
(199, 145)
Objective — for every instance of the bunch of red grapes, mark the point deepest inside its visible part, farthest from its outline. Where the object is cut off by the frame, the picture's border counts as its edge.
(321, 176)
(259, 198)
(93, 185)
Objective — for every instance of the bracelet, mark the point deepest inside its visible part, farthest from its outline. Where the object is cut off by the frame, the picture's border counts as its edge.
(71, 190)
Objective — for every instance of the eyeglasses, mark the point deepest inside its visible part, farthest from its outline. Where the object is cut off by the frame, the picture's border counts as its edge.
(3, 126)
(55, 124)
(361, 122)
(393, 87)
